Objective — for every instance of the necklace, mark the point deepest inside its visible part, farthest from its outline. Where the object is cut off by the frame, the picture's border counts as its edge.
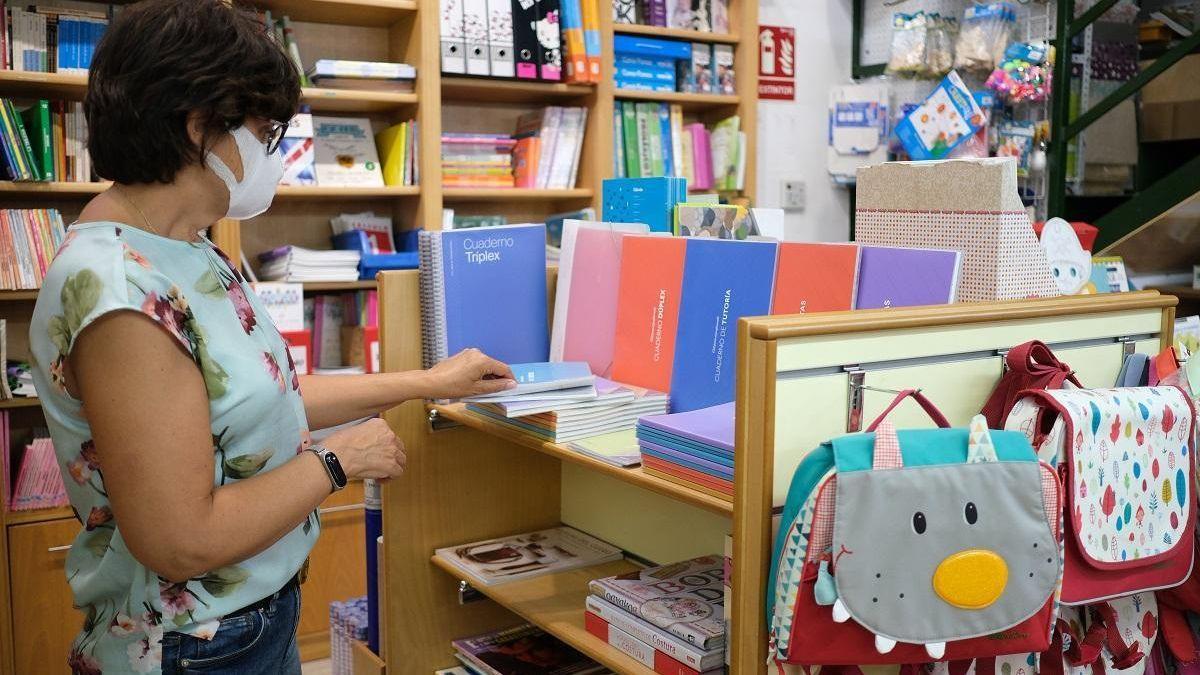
(137, 208)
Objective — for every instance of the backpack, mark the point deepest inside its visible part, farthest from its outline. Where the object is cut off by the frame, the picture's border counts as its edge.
(1030, 365)
(1126, 459)
(885, 538)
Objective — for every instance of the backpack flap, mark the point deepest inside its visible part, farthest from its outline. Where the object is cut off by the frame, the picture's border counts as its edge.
(1126, 457)
(945, 541)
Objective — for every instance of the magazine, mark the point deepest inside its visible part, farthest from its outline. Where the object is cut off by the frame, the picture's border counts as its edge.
(685, 598)
(528, 555)
(524, 650)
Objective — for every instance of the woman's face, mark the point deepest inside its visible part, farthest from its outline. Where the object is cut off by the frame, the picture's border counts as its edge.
(226, 148)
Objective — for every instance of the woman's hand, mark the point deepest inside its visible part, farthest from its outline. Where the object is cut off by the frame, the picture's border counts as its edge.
(469, 373)
(369, 450)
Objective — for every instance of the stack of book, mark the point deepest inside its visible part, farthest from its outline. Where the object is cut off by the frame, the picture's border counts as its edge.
(347, 625)
(51, 39)
(29, 239)
(548, 145)
(464, 274)
(397, 145)
(44, 142)
(344, 330)
(477, 160)
(650, 201)
(522, 556)
(651, 139)
(669, 618)
(559, 417)
(38, 483)
(694, 448)
(363, 75)
(700, 15)
(502, 653)
(294, 263)
(650, 64)
(281, 29)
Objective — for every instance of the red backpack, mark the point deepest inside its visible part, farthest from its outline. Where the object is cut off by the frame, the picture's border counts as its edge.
(1029, 366)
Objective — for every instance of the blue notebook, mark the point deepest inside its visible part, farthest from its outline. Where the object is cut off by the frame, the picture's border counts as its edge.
(486, 288)
(644, 200)
(723, 280)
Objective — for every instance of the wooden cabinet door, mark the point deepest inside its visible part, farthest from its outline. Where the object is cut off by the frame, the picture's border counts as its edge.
(44, 622)
(337, 568)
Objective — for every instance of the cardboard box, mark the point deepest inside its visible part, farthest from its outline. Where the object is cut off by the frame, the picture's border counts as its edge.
(1171, 102)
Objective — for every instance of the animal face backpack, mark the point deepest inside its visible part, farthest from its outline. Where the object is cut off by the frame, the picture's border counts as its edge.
(1126, 459)
(917, 545)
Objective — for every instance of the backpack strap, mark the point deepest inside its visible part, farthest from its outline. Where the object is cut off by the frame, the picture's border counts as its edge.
(1174, 629)
(1124, 656)
(926, 405)
(1035, 359)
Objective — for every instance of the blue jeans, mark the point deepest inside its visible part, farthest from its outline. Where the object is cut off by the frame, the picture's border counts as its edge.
(248, 642)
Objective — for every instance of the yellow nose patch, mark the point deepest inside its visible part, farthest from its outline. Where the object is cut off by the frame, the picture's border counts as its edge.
(971, 579)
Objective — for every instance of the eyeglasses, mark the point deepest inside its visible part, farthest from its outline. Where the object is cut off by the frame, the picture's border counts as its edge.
(274, 136)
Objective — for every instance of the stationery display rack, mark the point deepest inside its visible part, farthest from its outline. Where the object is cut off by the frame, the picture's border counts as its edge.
(800, 381)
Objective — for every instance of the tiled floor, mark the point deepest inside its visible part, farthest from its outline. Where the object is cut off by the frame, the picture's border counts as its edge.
(322, 667)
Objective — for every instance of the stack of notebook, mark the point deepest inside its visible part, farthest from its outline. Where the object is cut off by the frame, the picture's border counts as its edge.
(692, 448)
(293, 263)
(38, 483)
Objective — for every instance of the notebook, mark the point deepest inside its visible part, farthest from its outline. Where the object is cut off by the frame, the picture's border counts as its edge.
(906, 277)
(585, 310)
(723, 280)
(712, 426)
(815, 278)
(648, 298)
(644, 200)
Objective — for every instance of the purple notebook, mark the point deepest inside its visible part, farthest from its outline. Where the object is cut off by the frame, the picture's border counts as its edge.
(694, 461)
(906, 277)
(711, 426)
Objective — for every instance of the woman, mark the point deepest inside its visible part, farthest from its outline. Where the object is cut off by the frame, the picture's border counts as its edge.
(173, 403)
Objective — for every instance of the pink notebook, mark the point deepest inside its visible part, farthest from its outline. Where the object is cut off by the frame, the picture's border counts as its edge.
(589, 274)
(701, 157)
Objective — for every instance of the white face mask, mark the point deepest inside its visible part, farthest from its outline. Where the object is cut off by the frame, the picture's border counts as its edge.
(260, 175)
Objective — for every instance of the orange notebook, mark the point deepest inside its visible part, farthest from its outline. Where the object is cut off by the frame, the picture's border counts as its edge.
(815, 278)
(525, 161)
(648, 310)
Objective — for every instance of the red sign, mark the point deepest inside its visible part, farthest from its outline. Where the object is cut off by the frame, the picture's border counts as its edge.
(777, 63)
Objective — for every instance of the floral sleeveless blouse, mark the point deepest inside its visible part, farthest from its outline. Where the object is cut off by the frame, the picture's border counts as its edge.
(190, 290)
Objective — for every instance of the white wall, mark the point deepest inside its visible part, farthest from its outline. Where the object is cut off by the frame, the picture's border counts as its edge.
(792, 135)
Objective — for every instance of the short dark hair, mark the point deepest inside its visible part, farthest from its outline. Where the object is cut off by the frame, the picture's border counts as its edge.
(163, 59)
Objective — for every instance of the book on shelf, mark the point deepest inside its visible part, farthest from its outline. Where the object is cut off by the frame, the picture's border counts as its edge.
(906, 277)
(649, 200)
(50, 38)
(684, 599)
(693, 449)
(295, 263)
(348, 622)
(613, 407)
(464, 275)
(477, 160)
(44, 142)
(639, 650)
(534, 379)
(652, 646)
(698, 15)
(284, 303)
(345, 152)
(323, 69)
(815, 277)
(511, 652)
(653, 140)
(585, 310)
(377, 227)
(29, 238)
(560, 133)
(618, 448)
(38, 483)
(532, 554)
(718, 221)
(284, 33)
(398, 146)
(6, 391)
(296, 149)
(453, 221)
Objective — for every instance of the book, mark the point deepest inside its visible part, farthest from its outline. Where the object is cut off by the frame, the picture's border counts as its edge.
(345, 152)
(523, 650)
(28, 241)
(37, 121)
(377, 228)
(465, 272)
(284, 303)
(702, 157)
(618, 448)
(585, 311)
(718, 221)
(297, 264)
(526, 159)
(722, 282)
(815, 278)
(655, 638)
(724, 152)
(393, 144)
(575, 54)
(640, 651)
(648, 298)
(298, 152)
(710, 427)
(725, 82)
(591, 38)
(683, 598)
(532, 378)
(532, 554)
(649, 200)
(906, 277)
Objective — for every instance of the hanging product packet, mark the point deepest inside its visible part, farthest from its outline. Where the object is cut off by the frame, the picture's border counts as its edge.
(1024, 74)
(909, 36)
(986, 31)
(947, 118)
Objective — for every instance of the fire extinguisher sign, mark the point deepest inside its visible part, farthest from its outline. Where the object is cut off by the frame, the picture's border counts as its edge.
(777, 63)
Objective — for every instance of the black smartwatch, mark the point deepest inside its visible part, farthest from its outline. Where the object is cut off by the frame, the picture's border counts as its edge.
(333, 467)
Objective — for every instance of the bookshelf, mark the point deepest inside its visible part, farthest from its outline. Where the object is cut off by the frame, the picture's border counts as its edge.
(675, 33)
(19, 402)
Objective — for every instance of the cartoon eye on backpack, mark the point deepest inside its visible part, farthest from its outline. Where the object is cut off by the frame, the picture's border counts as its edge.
(917, 545)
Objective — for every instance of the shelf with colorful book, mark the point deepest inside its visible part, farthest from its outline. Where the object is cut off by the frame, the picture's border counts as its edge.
(513, 194)
(375, 13)
(634, 476)
(471, 89)
(555, 603)
(689, 101)
(675, 33)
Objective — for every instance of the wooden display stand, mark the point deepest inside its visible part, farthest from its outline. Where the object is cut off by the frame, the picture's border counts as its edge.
(801, 380)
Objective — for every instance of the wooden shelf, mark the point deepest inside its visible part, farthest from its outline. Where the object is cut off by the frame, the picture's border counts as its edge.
(18, 296)
(298, 192)
(57, 85)
(688, 101)
(20, 402)
(458, 413)
(675, 33)
(333, 286)
(555, 603)
(502, 194)
(37, 515)
(55, 188)
(475, 90)
(322, 99)
(344, 12)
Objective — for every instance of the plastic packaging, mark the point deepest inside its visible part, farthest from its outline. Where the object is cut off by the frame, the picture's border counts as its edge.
(986, 30)
(909, 34)
(1024, 74)
(944, 120)
(1016, 140)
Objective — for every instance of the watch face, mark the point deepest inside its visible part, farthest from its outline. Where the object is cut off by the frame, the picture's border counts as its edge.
(335, 469)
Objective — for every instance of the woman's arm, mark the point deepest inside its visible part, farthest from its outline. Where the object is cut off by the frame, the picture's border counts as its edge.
(330, 400)
(148, 409)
